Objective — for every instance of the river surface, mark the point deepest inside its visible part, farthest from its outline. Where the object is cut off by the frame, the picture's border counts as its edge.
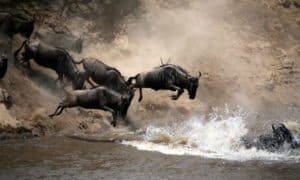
(191, 149)
(65, 158)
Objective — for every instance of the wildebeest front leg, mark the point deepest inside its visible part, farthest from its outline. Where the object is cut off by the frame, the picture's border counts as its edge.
(141, 95)
(178, 89)
(90, 82)
(179, 93)
(114, 122)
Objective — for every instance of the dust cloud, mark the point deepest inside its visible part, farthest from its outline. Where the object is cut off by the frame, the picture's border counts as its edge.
(230, 42)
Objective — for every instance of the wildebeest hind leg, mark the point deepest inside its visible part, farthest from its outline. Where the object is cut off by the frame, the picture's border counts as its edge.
(57, 112)
(54, 113)
(141, 95)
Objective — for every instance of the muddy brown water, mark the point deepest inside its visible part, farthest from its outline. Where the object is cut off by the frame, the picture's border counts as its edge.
(65, 158)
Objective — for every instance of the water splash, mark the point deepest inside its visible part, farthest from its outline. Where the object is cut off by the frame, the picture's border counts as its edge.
(217, 138)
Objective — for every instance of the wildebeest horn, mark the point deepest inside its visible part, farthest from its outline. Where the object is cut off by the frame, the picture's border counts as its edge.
(199, 74)
(168, 60)
(273, 127)
(161, 61)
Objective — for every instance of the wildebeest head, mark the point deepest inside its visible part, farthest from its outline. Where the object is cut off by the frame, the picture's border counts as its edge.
(281, 133)
(31, 47)
(124, 105)
(193, 83)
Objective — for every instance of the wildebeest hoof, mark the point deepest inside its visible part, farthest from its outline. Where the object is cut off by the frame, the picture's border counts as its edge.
(140, 99)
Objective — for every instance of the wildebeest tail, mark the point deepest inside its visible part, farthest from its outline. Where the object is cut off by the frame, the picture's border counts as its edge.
(129, 81)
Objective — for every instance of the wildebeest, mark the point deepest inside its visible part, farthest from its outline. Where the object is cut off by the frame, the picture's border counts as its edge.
(167, 77)
(13, 24)
(98, 98)
(105, 75)
(3, 65)
(54, 58)
(273, 142)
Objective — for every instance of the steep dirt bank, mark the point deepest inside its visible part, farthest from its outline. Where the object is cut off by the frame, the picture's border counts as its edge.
(247, 51)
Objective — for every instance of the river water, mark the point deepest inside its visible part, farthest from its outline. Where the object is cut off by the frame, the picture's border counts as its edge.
(192, 149)
(63, 158)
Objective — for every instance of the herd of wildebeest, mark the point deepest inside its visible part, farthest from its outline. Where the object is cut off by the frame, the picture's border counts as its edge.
(109, 90)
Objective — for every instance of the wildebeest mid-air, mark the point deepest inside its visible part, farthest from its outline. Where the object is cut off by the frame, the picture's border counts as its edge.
(167, 77)
(54, 58)
(105, 75)
(98, 98)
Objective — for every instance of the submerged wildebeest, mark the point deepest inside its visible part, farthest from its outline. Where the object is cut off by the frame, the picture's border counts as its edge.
(273, 142)
(54, 58)
(98, 98)
(167, 77)
(11, 24)
(3, 65)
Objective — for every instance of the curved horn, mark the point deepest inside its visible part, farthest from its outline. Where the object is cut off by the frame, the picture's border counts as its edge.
(199, 74)
(169, 59)
(161, 61)
(273, 127)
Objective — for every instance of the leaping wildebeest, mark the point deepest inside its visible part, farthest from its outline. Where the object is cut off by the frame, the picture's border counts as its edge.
(3, 65)
(105, 75)
(98, 98)
(167, 77)
(54, 58)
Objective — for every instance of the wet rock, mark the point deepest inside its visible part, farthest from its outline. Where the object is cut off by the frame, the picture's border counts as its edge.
(60, 40)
